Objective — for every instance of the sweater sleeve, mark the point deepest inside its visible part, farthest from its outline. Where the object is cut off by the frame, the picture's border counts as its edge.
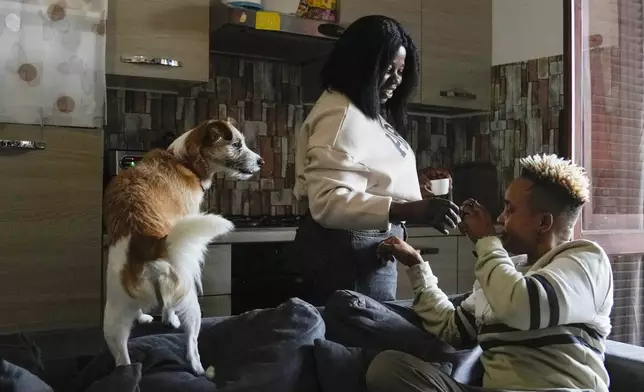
(568, 290)
(337, 184)
(454, 325)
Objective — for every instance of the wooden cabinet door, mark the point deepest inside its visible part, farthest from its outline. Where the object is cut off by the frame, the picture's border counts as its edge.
(466, 265)
(50, 229)
(216, 276)
(442, 255)
(457, 52)
(407, 12)
(165, 29)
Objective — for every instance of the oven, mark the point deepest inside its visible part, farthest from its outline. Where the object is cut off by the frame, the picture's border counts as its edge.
(261, 274)
(115, 161)
(119, 160)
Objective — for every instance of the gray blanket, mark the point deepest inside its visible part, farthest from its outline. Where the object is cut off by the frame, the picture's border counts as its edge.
(160, 357)
(262, 350)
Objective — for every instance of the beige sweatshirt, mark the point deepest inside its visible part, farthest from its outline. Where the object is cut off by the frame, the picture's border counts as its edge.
(349, 168)
(542, 326)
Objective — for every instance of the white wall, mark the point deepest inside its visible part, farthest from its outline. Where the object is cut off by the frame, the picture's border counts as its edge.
(526, 29)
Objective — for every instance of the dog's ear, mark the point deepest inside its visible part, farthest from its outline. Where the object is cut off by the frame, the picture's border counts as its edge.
(202, 136)
(222, 129)
(210, 132)
(232, 122)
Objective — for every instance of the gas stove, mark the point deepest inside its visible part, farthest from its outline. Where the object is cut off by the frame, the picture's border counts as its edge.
(264, 221)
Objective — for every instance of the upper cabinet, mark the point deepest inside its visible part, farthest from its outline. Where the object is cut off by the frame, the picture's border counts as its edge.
(457, 53)
(455, 41)
(161, 39)
(407, 12)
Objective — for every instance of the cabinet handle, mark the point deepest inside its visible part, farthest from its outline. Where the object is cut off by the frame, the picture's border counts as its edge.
(428, 251)
(21, 144)
(457, 94)
(164, 62)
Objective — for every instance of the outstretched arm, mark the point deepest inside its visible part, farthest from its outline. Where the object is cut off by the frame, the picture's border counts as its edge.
(455, 325)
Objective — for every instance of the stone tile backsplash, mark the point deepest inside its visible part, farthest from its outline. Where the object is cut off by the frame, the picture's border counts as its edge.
(524, 118)
(266, 99)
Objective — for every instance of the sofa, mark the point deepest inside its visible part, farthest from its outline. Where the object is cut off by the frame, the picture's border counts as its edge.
(293, 347)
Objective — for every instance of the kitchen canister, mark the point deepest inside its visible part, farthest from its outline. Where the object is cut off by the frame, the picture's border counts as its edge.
(252, 4)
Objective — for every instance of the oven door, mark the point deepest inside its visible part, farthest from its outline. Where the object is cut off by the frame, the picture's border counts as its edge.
(260, 276)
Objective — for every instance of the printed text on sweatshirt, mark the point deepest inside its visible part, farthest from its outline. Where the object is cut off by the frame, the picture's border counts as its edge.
(350, 168)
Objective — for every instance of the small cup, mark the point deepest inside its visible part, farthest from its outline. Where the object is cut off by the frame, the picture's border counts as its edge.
(440, 187)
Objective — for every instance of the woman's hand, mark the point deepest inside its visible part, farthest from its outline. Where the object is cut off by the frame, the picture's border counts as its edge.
(426, 191)
(477, 221)
(436, 212)
(394, 247)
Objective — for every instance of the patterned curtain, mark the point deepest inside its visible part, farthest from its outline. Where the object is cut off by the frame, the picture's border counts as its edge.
(52, 62)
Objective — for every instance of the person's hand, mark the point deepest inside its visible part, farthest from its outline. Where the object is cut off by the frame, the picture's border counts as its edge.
(476, 221)
(442, 214)
(439, 213)
(426, 191)
(394, 247)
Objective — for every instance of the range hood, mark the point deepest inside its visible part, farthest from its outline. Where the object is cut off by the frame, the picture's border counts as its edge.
(269, 35)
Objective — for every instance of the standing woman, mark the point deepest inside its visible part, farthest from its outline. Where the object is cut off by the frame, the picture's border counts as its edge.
(356, 176)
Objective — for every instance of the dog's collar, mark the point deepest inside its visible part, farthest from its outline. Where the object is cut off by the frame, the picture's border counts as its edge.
(192, 169)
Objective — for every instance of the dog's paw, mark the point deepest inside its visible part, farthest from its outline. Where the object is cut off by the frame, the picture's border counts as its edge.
(210, 373)
(145, 318)
(172, 319)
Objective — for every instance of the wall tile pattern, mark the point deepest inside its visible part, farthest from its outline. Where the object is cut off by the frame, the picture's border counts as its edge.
(524, 119)
(266, 99)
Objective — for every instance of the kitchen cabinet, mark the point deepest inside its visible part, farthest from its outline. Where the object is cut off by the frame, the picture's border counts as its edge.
(50, 229)
(216, 272)
(454, 39)
(175, 33)
(466, 265)
(407, 12)
(457, 53)
(442, 255)
(216, 278)
(215, 305)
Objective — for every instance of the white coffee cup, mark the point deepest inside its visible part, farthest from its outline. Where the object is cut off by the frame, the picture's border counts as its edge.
(440, 187)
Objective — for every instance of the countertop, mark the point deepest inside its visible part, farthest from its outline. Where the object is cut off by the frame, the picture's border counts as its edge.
(287, 234)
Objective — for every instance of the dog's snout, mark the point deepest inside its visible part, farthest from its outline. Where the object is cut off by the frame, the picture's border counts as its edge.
(260, 162)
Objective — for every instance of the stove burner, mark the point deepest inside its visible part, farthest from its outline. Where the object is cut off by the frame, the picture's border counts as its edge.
(264, 221)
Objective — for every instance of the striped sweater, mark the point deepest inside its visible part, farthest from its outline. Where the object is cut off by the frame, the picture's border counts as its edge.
(541, 326)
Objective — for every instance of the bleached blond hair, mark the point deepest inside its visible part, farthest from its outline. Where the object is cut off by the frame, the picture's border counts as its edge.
(558, 174)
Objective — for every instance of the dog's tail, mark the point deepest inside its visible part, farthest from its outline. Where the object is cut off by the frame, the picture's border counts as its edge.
(187, 243)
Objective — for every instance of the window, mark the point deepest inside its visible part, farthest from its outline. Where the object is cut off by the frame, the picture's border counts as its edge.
(605, 110)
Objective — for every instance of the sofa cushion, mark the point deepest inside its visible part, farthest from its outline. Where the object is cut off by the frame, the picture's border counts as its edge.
(14, 378)
(264, 350)
(158, 365)
(356, 320)
(23, 352)
(343, 369)
(625, 365)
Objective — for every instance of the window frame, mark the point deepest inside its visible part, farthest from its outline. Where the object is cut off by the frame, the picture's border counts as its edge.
(614, 242)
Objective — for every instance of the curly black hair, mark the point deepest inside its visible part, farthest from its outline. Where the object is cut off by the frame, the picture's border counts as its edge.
(359, 61)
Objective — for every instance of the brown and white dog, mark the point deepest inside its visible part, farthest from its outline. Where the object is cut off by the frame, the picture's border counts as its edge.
(158, 236)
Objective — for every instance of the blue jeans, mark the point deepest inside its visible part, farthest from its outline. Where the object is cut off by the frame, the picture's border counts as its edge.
(328, 260)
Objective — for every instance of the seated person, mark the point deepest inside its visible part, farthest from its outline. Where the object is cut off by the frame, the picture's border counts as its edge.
(541, 325)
